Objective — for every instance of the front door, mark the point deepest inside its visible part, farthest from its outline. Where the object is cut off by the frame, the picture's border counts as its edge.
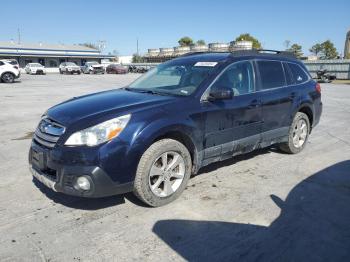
(232, 125)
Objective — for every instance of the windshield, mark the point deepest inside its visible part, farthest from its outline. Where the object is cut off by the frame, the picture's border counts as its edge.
(71, 64)
(174, 78)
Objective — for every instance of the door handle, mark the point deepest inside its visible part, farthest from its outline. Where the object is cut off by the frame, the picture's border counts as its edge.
(254, 104)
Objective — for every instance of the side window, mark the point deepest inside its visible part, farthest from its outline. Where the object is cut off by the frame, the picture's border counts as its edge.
(239, 77)
(298, 73)
(288, 73)
(1, 63)
(271, 74)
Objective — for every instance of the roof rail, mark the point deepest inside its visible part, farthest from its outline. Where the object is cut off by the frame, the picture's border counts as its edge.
(263, 51)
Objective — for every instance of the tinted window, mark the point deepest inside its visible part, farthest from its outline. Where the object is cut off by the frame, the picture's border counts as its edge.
(288, 74)
(1, 63)
(271, 73)
(298, 73)
(238, 77)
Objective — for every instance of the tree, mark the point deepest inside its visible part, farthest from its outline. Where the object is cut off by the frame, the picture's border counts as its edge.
(90, 45)
(316, 49)
(328, 50)
(248, 37)
(200, 42)
(185, 41)
(296, 49)
(137, 58)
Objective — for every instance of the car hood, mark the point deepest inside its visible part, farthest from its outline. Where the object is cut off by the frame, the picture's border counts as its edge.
(99, 105)
(96, 65)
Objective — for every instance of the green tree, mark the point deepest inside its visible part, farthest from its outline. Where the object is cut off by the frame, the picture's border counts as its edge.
(248, 37)
(316, 49)
(137, 58)
(200, 42)
(328, 50)
(185, 41)
(296, 49)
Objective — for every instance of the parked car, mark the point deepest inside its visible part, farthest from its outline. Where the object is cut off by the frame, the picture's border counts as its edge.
(8, 71)
(116, 69)
(138, 69)
(69, 68)
(35, 69)
(93, 68)
(13, 62)
(150, 136)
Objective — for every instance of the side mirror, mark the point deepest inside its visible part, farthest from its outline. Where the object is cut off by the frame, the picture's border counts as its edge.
(220, 94)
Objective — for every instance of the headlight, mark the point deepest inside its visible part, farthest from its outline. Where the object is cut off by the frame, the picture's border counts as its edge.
(100, 133)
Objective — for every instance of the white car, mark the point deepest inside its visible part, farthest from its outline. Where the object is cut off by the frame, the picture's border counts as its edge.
(8, 72)
(69, 68)
(93, 68)
(35, 69)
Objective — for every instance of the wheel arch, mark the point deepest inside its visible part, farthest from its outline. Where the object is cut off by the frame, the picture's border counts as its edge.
(184, 139)
(307, 110)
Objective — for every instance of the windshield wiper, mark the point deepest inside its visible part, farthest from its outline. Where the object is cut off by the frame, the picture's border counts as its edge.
(153, 92)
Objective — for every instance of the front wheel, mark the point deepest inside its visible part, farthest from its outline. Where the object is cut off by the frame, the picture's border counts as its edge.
(163, 172)
(298, 134)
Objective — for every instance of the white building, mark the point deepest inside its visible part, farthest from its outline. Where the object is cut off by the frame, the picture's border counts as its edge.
(49, 55)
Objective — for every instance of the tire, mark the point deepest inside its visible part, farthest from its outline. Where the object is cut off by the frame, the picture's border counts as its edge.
(8, 78)
(154, 156)
(290, 147)
(60, 71)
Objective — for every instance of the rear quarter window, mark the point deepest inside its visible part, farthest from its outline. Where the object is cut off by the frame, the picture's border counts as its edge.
(271, 74)
(299, 75)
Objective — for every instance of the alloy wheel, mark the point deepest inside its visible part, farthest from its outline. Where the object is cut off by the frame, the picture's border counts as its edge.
(167, 174)
(300, 133)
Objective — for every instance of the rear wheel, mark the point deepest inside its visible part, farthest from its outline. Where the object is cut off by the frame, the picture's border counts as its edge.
(163, 172)
(298, 134)
(8, 78)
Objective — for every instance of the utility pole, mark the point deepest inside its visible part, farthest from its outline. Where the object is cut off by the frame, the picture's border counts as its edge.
(137, 46)
(19, 36)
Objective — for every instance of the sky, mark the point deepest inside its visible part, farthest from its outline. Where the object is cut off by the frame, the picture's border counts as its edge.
(162, 23)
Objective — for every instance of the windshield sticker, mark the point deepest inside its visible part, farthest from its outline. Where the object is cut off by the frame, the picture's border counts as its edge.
(184, 92)
(211, 64)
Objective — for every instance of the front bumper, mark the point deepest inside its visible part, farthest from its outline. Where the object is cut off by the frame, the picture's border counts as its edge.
(61, 177)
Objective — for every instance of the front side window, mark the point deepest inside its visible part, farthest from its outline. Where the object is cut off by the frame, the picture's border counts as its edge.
(238, 77)
(178, 77)
(271, 74)
(1, 63)
(298, 73)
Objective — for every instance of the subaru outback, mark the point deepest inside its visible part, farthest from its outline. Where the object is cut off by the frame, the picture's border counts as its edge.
(189, 112)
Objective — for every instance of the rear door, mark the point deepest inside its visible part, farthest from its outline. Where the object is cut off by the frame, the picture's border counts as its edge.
(277, 100)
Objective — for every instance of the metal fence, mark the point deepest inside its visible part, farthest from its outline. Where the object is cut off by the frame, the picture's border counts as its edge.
(341, 68)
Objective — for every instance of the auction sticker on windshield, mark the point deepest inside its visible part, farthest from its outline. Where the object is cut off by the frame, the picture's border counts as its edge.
(211, 64)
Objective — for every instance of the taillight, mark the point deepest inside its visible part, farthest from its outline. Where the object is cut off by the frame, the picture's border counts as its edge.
(15, 67)
(318, 88)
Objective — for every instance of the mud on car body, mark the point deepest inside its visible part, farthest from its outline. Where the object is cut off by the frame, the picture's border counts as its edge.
(150, 136)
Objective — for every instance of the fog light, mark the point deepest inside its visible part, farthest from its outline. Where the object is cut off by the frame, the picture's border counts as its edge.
(83, 183)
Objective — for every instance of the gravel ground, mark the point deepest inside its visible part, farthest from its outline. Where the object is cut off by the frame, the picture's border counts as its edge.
(265, 206)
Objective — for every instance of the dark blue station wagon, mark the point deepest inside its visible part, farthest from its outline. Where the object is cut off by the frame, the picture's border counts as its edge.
(150, 136)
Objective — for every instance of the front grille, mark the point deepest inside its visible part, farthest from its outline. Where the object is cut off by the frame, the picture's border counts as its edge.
(48, 132)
